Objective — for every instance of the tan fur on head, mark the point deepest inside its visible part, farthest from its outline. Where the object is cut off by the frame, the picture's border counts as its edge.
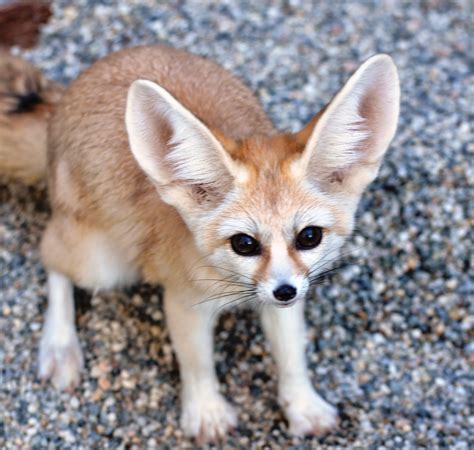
(270, 187)
(26, 102)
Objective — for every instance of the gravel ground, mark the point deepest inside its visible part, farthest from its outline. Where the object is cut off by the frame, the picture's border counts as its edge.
(390, 336)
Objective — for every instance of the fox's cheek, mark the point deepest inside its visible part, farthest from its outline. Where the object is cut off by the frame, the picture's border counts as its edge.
(234, 266)
(247, 267)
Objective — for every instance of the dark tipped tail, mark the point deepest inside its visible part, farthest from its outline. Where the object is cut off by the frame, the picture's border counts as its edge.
(27, 100)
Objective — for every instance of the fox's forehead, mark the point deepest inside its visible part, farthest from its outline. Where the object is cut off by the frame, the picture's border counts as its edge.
(273, 202)
(266, 152)
(272, 205)
(268, 225)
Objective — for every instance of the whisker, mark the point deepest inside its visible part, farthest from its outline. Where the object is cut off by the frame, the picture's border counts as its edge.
(321, 265)
(324, 261)
(224, 295)
(325, 275)
(240, 301)
(327, 271)
(227, 294)
(198, 262)
(230, 271)
(227, 280)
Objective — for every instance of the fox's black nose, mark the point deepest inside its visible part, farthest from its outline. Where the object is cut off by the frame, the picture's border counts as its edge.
(284, 292)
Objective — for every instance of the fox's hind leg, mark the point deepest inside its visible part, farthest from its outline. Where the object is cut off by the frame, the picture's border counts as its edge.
(73, 252)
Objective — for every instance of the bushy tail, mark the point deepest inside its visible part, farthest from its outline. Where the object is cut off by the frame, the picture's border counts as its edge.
(27, 100)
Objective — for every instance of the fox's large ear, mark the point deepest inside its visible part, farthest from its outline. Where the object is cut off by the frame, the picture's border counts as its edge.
(175, 149)
(345, 147)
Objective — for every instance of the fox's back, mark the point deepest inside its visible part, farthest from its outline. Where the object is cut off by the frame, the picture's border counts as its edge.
(91, 169)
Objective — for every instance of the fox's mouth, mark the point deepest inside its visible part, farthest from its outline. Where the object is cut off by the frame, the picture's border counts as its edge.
(287, 304)
(280, 304)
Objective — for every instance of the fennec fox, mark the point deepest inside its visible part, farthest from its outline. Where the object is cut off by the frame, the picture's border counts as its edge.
(163, 167)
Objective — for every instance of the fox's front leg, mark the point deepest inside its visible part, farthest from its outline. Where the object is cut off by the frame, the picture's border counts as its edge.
(60, 355)
(205, 414)
(306, 411)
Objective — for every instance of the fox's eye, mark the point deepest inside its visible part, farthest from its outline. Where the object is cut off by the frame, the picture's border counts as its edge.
(309, 237)
(245, 245)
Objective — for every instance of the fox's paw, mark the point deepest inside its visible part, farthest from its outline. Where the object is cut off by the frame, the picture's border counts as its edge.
(308, 414)
(208, 419)
(61, 361)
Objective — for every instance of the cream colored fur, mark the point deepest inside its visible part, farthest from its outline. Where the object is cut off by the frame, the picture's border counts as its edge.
(156, 159)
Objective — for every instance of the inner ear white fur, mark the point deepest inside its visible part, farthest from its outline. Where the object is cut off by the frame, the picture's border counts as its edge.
(169, 143)
(355, 129)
